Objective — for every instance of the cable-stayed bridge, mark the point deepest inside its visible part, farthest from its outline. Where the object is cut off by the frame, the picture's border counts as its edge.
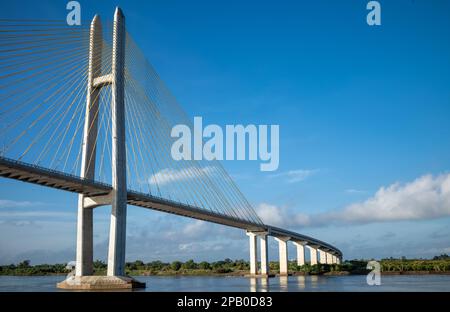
(82, 110)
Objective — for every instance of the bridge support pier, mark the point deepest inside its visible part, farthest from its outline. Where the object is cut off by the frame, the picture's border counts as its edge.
(85, 240)
(253, 247)
(300, 253)
(264, 255)
(313, 255)
(253, 253)
(283, 254)
(329, 258)
(322, 257)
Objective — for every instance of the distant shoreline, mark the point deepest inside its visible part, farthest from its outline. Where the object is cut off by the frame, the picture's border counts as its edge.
(227, 268)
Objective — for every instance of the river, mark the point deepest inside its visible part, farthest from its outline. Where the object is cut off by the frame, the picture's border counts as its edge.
(214, 283)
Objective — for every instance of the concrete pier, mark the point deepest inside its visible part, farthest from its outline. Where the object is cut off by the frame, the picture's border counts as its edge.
(300, 253)
(313, 255)
(322, 257)
(100, 283)
(253, 243)
(329, 258)
(283, 254)
(264, 255)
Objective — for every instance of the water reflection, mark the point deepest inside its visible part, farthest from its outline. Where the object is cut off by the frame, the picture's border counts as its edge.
(314, 279)
(283, 283)
(264, 284)
(301, 282)
(252, 284)
(259, 284)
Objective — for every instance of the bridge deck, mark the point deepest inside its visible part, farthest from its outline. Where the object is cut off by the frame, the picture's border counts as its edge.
(55, 179)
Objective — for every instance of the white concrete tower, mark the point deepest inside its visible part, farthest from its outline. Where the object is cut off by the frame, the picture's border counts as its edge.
(117, 233)
(84, 254)
(117, 198)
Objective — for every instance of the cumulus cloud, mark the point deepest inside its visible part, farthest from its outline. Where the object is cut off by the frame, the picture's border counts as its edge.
(201, 247)
(293, 176)
(197, 228)
(280, 216)
(8, 204)
(168, 175)
(271, 214)
(19, 223)
(36, 214)
(427, 197)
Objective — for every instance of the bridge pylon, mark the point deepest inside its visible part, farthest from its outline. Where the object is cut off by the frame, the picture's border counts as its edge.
(117, 198)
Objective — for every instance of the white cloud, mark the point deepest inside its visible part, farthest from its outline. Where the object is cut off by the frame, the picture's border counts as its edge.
(168, 175)
(200, 247)
(355, 191)
(427, 197)
(7, 204)
(280, 216)
(195, 228)
(271, 214)
(184, 246)
(36, 214)
(293, 176)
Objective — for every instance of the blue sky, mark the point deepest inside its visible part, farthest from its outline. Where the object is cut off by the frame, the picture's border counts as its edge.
(360, 109)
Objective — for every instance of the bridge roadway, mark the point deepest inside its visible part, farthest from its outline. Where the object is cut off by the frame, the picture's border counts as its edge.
(18, 170)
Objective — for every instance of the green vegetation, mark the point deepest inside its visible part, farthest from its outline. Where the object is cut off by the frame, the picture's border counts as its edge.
(439, 264)
(436, 265)
(189, 267)
(24, 268)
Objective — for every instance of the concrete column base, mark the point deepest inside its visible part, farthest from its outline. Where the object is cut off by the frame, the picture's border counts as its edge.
(100, 283)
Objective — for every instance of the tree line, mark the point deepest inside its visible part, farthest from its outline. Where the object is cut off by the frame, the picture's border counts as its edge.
(438, 264)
